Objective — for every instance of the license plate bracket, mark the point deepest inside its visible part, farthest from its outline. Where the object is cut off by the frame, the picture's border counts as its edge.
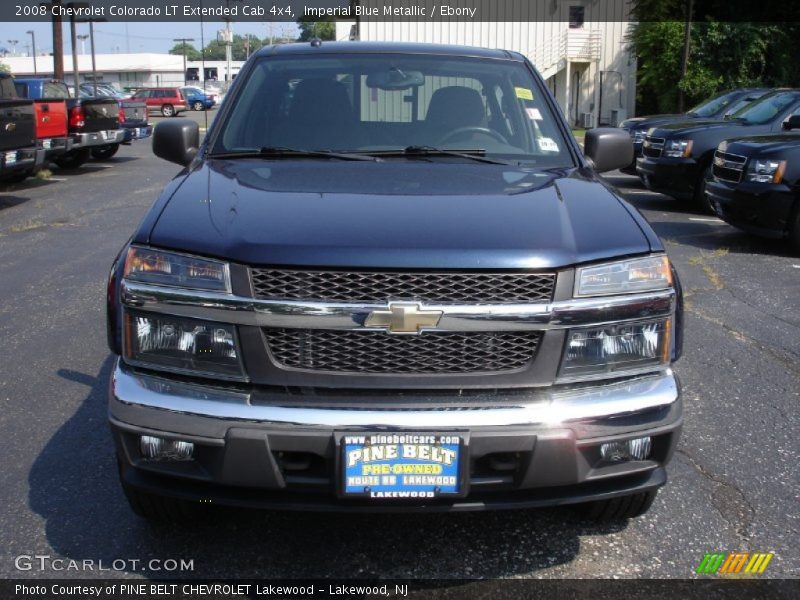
(402, 465)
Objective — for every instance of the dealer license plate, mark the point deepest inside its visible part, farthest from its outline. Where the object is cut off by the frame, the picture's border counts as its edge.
(401, 465)
(47, 144)
(11, 157)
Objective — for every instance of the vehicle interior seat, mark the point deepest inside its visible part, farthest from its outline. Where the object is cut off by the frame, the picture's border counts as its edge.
(320, 117)
(452, 108)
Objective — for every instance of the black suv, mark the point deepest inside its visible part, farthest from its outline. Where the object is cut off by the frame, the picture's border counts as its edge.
(755, 184)
(388, 279)
(718, 107)
(676, 158)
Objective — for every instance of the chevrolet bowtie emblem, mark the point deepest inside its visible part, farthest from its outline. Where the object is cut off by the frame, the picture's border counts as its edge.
(403, 317)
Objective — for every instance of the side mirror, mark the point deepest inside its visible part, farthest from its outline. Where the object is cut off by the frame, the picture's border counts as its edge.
(177, 141)
(608, 148)
(792, 122)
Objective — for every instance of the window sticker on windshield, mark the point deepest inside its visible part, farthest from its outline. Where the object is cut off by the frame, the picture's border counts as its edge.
(534, 114)
(523, 93)
(547, 144)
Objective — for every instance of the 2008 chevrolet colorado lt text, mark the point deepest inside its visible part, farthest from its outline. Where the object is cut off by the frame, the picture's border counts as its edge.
(389, 280)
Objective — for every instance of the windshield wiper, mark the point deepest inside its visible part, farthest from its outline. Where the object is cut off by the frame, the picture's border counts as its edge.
(476, 154)
(284, 152)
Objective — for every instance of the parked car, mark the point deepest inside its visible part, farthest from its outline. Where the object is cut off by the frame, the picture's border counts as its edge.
(677, 157)
(18, 145)
(133, 119)
(720, 106)
(91, 122)
(381, 309)
(168, 101)
(755, 184)
(198, 99)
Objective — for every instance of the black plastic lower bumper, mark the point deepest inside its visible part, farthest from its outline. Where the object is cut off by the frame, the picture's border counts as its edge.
(217, 495)
(674, 177)
(763, 209)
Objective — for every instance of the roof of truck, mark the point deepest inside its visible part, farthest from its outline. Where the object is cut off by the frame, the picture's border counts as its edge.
(386, 48)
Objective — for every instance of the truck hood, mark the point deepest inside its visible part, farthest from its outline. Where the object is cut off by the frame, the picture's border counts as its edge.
(396, 214)
(652, 120)
(762, 144)
(686, 128)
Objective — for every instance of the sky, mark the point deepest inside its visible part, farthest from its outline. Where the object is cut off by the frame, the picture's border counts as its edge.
(115, 37)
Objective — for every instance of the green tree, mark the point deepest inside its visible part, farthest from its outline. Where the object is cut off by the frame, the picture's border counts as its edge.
(324, 29)
(192, 53)
(215, 50)
(723, 55)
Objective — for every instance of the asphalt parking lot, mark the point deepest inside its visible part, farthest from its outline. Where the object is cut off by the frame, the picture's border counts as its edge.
(733, 486)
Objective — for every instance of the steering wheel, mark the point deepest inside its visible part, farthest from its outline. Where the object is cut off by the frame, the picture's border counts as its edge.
(472, 129)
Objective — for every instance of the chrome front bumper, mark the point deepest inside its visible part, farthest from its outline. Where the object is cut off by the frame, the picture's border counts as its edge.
(243, 436)
(188, 409)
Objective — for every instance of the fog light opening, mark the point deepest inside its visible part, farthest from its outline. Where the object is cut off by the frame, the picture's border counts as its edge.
(156, 448)
(634, 449)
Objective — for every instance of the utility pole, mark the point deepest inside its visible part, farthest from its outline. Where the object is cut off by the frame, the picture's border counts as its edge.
(75, 72)
(83, 39)
(183, 42)
(687, 40)
(94, 65)
(58, 41)
(33, 42)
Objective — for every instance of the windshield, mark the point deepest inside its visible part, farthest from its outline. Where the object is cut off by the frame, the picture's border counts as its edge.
(767, 108)
(712, 107)
(389, 102)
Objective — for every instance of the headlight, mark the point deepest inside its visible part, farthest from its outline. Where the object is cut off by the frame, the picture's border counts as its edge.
(766, 171)
(612, 349)
(624, 277)
(168, 268)
(678, 148)
(638, 135)
(183, 345)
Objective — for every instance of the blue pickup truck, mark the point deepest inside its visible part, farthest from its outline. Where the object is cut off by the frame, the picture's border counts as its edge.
(92, 123)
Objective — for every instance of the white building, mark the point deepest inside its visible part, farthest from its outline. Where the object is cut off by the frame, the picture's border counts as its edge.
(128, 70)
(584, 60)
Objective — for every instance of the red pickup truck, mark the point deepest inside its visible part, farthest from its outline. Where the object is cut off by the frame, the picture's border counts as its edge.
(51, 121)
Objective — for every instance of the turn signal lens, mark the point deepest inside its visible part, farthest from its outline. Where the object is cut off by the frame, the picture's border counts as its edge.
(624, 277)
(178, 270)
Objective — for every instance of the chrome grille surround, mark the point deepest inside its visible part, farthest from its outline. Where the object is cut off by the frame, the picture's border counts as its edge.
(652, 146)
(728, 167)
(462, 287)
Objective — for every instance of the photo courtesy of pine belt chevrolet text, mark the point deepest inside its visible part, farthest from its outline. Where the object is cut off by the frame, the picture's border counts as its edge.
(389, 279)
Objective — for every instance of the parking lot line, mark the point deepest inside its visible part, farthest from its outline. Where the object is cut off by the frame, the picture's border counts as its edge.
(707, 220)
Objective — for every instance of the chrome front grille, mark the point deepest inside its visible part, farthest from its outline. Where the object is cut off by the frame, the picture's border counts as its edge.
(728, 167)
(383, 286)
(653, 146)
(366, 352)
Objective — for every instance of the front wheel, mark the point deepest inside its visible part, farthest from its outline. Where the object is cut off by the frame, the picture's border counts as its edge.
(701, 200)
(105, 152)
(198, 106)
(618, 509)
(168, 110)
(73, 159)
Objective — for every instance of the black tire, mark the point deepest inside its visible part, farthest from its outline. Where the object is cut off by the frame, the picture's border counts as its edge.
(701, 200)
(73, 159)
(794, 232)
(618, 509)
(105, 152)
(168, 110)
(198, 106)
